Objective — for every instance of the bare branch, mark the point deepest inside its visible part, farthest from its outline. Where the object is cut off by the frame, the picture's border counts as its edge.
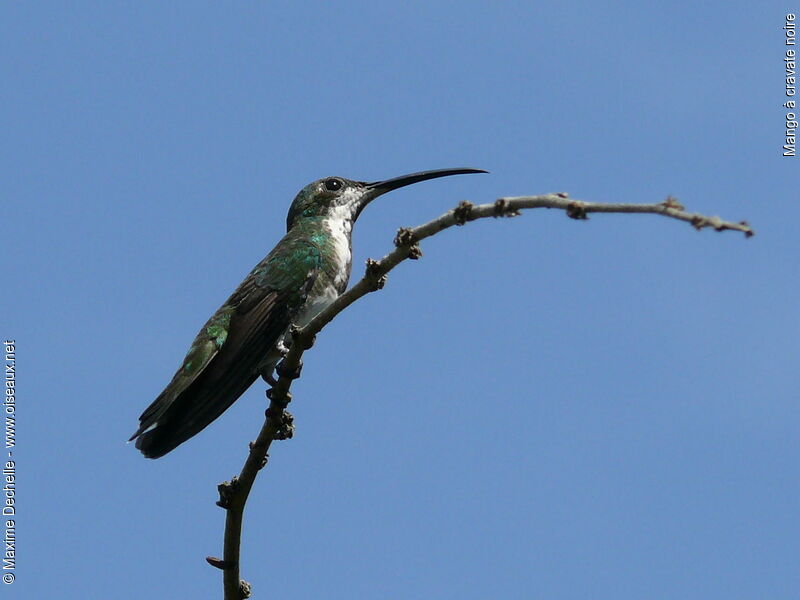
(278, 422)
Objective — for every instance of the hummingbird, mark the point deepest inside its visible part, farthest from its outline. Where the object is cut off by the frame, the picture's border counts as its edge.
(250, 333)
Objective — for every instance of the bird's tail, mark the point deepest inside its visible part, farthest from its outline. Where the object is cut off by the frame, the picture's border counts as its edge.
(169, 421)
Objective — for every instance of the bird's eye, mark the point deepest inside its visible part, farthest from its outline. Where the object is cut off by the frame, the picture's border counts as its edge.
(333, 184)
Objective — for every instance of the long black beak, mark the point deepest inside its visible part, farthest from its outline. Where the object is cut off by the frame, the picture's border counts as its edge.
(397, 182)
(378, 188)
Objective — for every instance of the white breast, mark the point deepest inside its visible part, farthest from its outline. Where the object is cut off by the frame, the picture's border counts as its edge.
(339, 225)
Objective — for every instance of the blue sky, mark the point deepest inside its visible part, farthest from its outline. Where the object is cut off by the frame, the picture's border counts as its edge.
(539, 408)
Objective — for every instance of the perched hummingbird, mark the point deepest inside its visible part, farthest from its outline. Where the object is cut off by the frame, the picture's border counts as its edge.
(249, 334)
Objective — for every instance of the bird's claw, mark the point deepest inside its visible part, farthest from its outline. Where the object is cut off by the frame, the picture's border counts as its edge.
(283, 371)
(269, 379)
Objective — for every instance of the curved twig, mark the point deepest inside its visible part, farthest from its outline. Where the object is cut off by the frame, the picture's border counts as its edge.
(278, 422)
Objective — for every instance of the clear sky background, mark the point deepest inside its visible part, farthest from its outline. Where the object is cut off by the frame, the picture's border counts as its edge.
(539, 408)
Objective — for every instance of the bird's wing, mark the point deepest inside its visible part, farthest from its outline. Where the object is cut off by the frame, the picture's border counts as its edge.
(223, 360)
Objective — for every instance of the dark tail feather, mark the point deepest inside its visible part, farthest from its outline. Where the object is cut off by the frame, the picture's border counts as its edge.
(187, 415)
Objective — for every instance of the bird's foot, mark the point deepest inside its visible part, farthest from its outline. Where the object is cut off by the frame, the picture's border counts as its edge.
(269, 379)
(282, 348)
(295, 329)
(283, 371)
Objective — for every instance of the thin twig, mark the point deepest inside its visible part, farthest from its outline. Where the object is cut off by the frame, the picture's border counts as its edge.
(278, 422)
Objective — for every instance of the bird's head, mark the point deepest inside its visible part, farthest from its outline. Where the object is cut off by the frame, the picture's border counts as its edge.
(345, 198)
